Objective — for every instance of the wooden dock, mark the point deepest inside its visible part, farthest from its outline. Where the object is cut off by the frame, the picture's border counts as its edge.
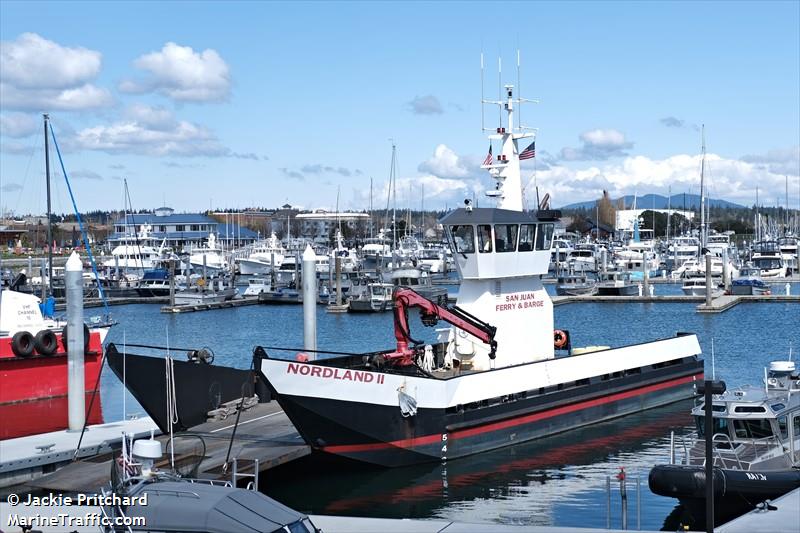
(97, 302)
(718, 304)
(726, 301)
(264, 435)
(26, 458)
(190, 308)
(560, 300)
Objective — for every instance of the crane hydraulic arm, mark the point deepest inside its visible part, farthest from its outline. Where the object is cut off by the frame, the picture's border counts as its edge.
(431, 313)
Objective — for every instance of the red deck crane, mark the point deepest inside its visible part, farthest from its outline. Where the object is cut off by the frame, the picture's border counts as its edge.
(431, 313)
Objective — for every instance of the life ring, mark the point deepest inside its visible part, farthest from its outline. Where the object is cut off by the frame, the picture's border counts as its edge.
(86, 334)
(22, 344)
(45, 342)
(560, 338)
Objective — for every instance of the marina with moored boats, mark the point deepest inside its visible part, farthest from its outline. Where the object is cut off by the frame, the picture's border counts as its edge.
(511, 343)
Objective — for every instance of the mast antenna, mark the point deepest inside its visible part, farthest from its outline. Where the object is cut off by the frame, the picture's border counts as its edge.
(519, 93)
(483, 125)
(500, 89)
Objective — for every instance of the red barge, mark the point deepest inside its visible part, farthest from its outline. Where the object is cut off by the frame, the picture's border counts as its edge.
(33, 368)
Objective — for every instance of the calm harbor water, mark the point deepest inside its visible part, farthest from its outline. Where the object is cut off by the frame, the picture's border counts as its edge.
(554, 481)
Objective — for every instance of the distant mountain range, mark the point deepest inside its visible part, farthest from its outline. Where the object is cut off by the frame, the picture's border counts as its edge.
(656, 201)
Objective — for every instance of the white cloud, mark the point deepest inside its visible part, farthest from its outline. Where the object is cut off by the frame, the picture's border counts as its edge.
(151, 131)
(730, 179)
(182, 74)
(599, 145)
(38, 74)
(445, 163)
(156, 118)
(17, 125)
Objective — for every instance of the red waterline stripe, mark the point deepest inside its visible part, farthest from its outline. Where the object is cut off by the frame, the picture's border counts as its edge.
(542, 415)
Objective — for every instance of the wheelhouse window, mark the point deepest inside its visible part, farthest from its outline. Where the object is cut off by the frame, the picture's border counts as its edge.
(527, 236)
(179, 227)
(484, 238)
(505, 237)
(720, 425)
(752, 429)
(544, 237)
(783, 426)
(463, 239)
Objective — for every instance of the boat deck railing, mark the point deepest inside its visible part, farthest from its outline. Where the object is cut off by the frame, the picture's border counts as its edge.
(727, 453)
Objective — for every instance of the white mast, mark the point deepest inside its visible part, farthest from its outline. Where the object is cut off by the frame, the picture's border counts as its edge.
(702, 192)
(505, 168)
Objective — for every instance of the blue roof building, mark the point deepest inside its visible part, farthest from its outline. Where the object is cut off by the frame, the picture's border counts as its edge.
(181, 230)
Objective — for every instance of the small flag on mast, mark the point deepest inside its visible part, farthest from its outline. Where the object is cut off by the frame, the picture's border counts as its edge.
(529, 152)
(488, 160)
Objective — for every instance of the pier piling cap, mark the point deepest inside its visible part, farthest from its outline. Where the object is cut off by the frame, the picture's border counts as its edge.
(74, 263)
(308, 254)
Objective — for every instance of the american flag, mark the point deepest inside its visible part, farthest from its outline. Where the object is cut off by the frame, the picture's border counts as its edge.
(529, 152)
(488, 160)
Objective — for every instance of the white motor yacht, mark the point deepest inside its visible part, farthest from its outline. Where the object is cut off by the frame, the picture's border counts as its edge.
(261, 257)
(138, 253)
(210, 256)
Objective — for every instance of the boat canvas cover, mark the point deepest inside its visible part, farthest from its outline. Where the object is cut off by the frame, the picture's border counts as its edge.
(20, 312)
(182, 506)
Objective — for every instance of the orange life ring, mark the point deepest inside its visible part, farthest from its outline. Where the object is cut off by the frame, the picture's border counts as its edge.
(559, 338)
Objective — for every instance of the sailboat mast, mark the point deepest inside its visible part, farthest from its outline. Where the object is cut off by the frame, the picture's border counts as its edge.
(371, 224)
(394, 199)
(702, 192)
(49, 214)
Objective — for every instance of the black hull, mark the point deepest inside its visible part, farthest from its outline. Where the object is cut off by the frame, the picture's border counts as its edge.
(199, 387)
(688, 484)
(379, 434)
(627, 290)
(151, 293)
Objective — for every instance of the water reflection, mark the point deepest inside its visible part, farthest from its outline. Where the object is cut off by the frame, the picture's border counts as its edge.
(558, 480)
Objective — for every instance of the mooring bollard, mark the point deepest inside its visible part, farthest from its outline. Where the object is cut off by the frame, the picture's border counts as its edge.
(76, 395)
(309, 277)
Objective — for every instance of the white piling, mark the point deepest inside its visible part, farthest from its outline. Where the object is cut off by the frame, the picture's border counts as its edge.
(75, 342)
(726, 273)
(708, 280)
(338, 280)
(310, 301)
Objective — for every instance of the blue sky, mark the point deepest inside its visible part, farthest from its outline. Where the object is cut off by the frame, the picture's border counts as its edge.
(241, 104)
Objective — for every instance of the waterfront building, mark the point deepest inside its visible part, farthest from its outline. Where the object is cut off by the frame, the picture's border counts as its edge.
(181, 230)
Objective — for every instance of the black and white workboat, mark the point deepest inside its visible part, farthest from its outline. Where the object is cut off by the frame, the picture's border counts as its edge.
(493, 379)
(755, 446)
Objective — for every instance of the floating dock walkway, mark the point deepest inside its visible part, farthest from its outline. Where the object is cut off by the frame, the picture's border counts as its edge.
(190, 308)
(28, 458)
(718, 304)
(264, 437)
